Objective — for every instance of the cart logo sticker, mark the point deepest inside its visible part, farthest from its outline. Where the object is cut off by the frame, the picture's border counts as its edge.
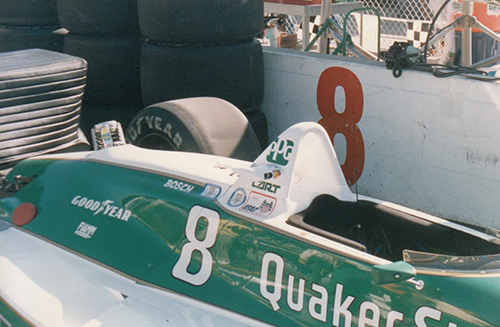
(259, 204)
(85, 230)
(280, 152)
(101, 207)
(331, 304)
(237, 198)
(211, 191)
(179, 186)
(265, 186)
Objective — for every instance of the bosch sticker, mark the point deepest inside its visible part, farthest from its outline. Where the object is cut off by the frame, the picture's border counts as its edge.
(179, 186)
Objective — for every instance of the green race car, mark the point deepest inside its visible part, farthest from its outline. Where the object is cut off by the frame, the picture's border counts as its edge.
(126, 236)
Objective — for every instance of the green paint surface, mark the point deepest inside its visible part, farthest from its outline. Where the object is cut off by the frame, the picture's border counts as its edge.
(178, 240)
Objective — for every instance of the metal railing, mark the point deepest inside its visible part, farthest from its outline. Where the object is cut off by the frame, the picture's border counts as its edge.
(344, 39)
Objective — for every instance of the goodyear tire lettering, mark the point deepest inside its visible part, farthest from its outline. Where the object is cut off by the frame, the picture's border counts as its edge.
(154, 123)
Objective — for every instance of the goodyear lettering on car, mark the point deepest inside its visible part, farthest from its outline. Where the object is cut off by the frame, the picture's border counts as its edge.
(179, 186)
(105, 207)
(272, 284)
(280, 151)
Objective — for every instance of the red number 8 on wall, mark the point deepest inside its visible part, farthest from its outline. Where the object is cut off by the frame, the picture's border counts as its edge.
(344, 123)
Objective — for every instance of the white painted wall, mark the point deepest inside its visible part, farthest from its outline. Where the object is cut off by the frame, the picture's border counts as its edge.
(432, 144)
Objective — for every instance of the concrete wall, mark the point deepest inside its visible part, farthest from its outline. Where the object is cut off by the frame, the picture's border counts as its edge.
(430, 143)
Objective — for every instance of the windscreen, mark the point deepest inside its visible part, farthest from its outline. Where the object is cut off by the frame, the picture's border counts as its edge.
(451, 262)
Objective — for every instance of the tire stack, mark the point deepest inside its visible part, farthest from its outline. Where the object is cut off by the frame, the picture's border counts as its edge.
(40, 100)
(204, 48)
(26, 24)
(106, 34)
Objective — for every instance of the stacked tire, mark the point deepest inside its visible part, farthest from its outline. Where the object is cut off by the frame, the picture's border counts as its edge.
(106, 34)
(40, 100)
(26, 24)
(204, 48)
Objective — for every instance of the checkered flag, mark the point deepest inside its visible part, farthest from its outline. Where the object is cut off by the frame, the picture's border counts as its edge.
(417, 32)
(314, 26)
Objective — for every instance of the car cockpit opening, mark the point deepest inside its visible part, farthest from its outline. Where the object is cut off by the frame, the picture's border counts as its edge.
(388, 233)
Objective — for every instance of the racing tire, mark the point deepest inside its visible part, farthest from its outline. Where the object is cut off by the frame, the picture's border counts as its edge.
(231, 72)
(28, 13)
(99, 18)
(206, 22)
(113, 76)
(14, 38)
(203, 125)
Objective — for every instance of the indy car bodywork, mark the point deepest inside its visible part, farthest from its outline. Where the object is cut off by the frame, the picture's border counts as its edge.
(130, 236)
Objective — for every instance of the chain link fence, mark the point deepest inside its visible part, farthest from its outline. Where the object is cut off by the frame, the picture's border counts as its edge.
(401, 21)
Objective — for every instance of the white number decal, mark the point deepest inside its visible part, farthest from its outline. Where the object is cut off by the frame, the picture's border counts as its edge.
(180, 270)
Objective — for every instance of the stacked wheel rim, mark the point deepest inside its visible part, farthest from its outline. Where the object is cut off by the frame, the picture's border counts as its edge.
(40, 101)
